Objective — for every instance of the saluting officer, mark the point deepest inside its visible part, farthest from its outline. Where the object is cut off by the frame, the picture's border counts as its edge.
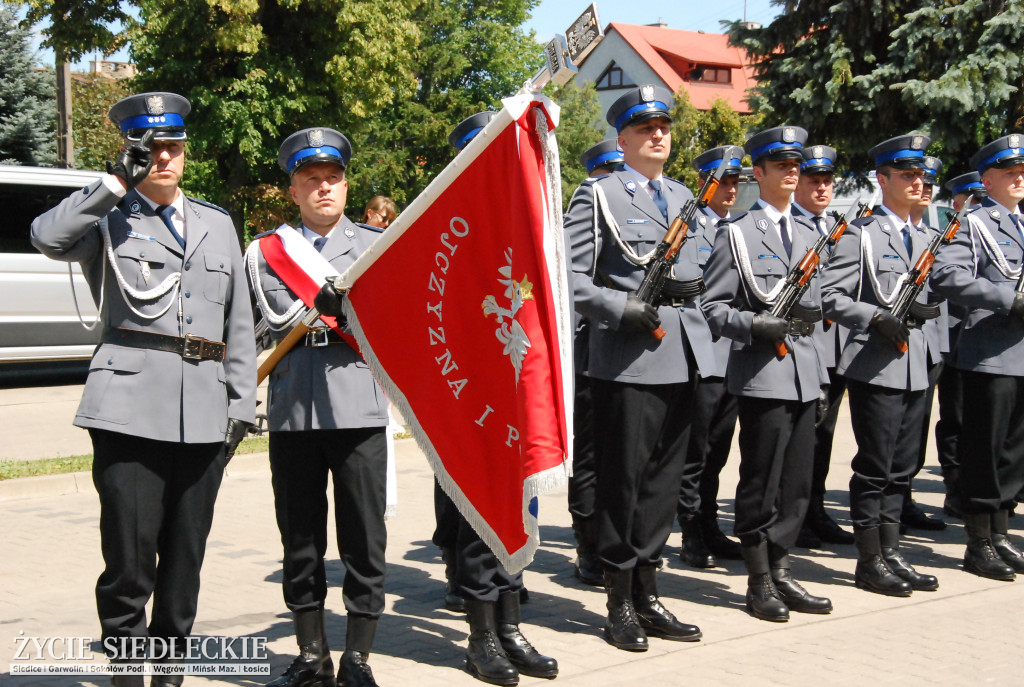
(172, 385)
(979, 270)
(642, 387)
(715, 409)
(599, 159)
(777, 396)
(886, 385)
(810, 201)
(326, 416)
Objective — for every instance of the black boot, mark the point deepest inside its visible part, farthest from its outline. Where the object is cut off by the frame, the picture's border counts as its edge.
(873, 573)
(623, 630)
(655, 619)
(694, 552)
(485, 659)
(587, 567)
(352, 669)
(716, 541)
(1010, 554)
(915, 518)
(763, 599)
(518, 648)
(312, 667)
(792, 592)
(889, 538)
(981, 557)
(453, 601)
(823, 526)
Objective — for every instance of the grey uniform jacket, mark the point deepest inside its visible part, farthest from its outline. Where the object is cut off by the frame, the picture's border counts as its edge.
(703, 234)
(849, 297)
(965, 272)
(730, 305)
(328, 387)
(828, 336)
(602, 276)
(147, 393)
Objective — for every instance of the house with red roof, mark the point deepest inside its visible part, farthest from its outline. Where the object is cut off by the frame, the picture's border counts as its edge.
(702, 63)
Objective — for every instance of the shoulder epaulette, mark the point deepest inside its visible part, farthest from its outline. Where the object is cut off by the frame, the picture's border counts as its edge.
(733, 218)
(257, 237)
(209, 205)
(376, 230)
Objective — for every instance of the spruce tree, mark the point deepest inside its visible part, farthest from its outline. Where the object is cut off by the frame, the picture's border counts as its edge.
(26, 98)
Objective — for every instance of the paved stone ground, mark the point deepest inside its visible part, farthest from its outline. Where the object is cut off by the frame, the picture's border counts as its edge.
(968, 632)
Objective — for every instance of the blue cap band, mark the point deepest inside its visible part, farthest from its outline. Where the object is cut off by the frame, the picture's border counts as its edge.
(894, 155)
(309, 152)
(815, 161)
(461, 143)
(600, 160)
(150, 121)
(969, 186)
(1006, 152)
(756, 153)
(713, 165)
(642, 107)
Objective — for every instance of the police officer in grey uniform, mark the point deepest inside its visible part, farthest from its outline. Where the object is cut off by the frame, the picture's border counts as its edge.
(979, 270)
(777, 396)
(886, 386)
(715, 409)
(172, 384)
(327, 417)
(642, 387)
(810, 200)
(600, 159)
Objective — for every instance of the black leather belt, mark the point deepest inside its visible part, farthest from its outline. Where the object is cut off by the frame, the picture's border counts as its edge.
(678, 293)
(322, 336)
(189, 347)
(802, 320)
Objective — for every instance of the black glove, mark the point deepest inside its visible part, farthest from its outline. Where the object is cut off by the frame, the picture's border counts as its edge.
(328, 301)
(886, 324)
(1017, 309)
(639, 316)
(237, 429)
(769, 327)
(134, 161)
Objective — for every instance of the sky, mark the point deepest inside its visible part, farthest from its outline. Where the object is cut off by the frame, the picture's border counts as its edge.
(555, 16)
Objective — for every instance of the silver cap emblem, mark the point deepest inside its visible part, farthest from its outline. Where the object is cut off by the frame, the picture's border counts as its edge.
(155, 104)
(788, 134)
(1014, 140)
(816, 151)
(917, 142)
(647, 93)
(315, 138)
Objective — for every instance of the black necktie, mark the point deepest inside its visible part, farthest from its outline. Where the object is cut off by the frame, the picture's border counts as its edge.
(908, 242)
(787, 242)
(319, 242)
(820, 222)
(166, 212)
(659, 198)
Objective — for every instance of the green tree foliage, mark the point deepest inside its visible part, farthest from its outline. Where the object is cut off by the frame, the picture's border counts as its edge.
(854, 72)
(77, 27)
(580, 126)
(695, 131)
(97, 139)
(26, 98)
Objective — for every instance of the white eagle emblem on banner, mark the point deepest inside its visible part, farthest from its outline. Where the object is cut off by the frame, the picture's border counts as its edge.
(511, 333)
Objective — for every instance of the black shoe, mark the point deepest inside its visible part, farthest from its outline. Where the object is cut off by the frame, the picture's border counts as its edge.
(827, 530)
(717, 542)
(888, 534)
(1010, 554)
(486, 660)
(913, 517)
(693, 551)
(796, 597)
(623, 630)
(313, 666)
(520, 652)
(872, 572)
(982, 559)
(658, 621)
(353, 671)
(807, 539)
(763, 599)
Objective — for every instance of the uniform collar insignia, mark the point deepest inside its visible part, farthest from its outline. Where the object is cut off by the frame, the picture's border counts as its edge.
(135, 207)
(702, 220)
(995, 213)
(630, 187)
(349, 232)
(762, 224)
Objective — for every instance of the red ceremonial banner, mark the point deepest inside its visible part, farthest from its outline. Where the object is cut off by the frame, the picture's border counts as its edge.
(462, 309)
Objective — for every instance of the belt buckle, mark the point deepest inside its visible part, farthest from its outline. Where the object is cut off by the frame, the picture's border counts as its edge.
(193, 349)
(317, 337)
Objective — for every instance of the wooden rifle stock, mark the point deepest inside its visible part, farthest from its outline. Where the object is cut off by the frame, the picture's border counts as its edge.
(286, 345)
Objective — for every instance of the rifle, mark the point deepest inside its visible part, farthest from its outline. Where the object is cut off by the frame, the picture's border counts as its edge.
(799, 278)
(667, 252)
(287, 344)
(914, 284)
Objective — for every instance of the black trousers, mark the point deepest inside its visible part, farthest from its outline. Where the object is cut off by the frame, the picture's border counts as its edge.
(887, 426)
(356, 460)
(776, 456)
(478, 573)
(951, 410)
(641, 432)
(934, 374)
(714, 422)
(446, 520)
(824, 433)
(991, 445)
(583, 483)
(156, 509)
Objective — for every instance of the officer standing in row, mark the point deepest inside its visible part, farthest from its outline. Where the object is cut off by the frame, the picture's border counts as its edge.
(715, 409)
(641, 386)
(810, 201)
(979, 271)
(886, 385)
(327, 418)
(599, 159)
(172, 384)
(777, 396)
